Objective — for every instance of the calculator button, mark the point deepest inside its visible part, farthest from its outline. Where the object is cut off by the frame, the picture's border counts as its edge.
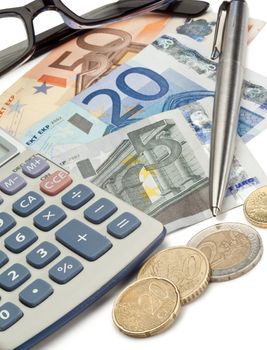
(83, 240)
(35, 167)
(55, 183)
(14, 277)
(20, 240)
(3, 259)
(42, 255)
(125, 224)
(28, 204)
(9, 315)
(100, 211)
(77, 197)
(65, 270)
(1, 200)
(12, 184)
(49, 218)
(6, 223)
(37, 292)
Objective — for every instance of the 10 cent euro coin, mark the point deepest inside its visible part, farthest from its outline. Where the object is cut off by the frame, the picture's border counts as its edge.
(187, 268)
(147, 307)
(232, 249)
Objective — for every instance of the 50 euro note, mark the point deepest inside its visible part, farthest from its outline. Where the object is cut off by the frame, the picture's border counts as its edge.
(160, 166)
(179, 75)
(81, 62)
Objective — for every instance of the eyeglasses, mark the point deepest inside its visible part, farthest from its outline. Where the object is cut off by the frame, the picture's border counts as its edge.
(15, 50)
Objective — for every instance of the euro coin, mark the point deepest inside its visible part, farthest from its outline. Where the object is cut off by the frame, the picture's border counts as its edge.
(255, 207)
(187, 268)
(147, 307)
(232, 249)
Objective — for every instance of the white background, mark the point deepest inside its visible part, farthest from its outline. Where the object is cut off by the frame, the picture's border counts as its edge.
(230, 315)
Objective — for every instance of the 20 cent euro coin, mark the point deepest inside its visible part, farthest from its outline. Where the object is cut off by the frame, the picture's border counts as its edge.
(232, 249)
(187, 268)
(255, 207)
(147, 307)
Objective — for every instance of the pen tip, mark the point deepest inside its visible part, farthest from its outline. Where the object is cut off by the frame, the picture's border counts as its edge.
(215, 211)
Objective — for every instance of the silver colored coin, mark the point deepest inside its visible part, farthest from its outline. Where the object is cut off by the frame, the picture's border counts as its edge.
(232, 249)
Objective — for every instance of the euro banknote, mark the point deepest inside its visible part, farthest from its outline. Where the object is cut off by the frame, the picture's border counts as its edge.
(160, 165)
(180, 75)
(81, 62)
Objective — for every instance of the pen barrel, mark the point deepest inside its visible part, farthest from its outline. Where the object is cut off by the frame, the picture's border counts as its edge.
(230, 74)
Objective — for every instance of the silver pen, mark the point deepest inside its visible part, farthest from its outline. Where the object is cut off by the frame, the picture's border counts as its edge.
(230, 74)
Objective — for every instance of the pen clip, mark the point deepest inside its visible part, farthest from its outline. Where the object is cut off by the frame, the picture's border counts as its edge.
(215, 50)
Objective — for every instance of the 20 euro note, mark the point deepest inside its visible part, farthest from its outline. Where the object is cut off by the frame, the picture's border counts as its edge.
(78, 64)
(160, 166)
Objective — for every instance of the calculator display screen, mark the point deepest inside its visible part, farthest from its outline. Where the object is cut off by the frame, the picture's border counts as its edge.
(3, 151)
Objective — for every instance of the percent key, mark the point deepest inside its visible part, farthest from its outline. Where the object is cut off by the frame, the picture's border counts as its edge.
(65, 270)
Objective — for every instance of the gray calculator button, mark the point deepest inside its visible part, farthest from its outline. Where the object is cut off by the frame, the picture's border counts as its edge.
(28, 204)
(7, 222)
(125, 224)
(42, 255)
(65, 270)
(20, 240)
(37, 292)
(49, 218)
(35, 167)
(100, 211)
(77, 197)
(83, 240)
(9, 315)
(14, 277)
(12, 184)
(3, 259)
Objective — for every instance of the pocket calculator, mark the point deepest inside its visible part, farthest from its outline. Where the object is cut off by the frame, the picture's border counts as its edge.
(63, 244)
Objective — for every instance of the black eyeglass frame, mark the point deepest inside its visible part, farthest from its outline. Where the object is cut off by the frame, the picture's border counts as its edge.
(28, 12)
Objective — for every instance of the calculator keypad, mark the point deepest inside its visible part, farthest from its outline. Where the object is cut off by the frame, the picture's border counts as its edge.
(12, 184)
(65, 270)
(20, 240)
(83, 240)
(101, 210)
(35, 167)
(28, 204)
(9, 315)
(3, 259)
(49, 218)
(37, 292)
(14, 277)
(7, 222)
(42, 255)
(77, 197)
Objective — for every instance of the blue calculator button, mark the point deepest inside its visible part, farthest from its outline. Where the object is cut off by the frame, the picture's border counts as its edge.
(12, 184)
(65, 270)
(35, 167)
(125, 224)
(14, 277)
(37, 292)
(42, 255)
(77, 197)
(83, 240)
(7, 222)
(49, 218)
(28, 204)
(100, 211)
(3, 259)
(20, 240)
(9, 315)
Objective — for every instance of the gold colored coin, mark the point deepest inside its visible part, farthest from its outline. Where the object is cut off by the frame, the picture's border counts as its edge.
(255, 207)
(188, 268)
(232, 249)
(147, 307)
